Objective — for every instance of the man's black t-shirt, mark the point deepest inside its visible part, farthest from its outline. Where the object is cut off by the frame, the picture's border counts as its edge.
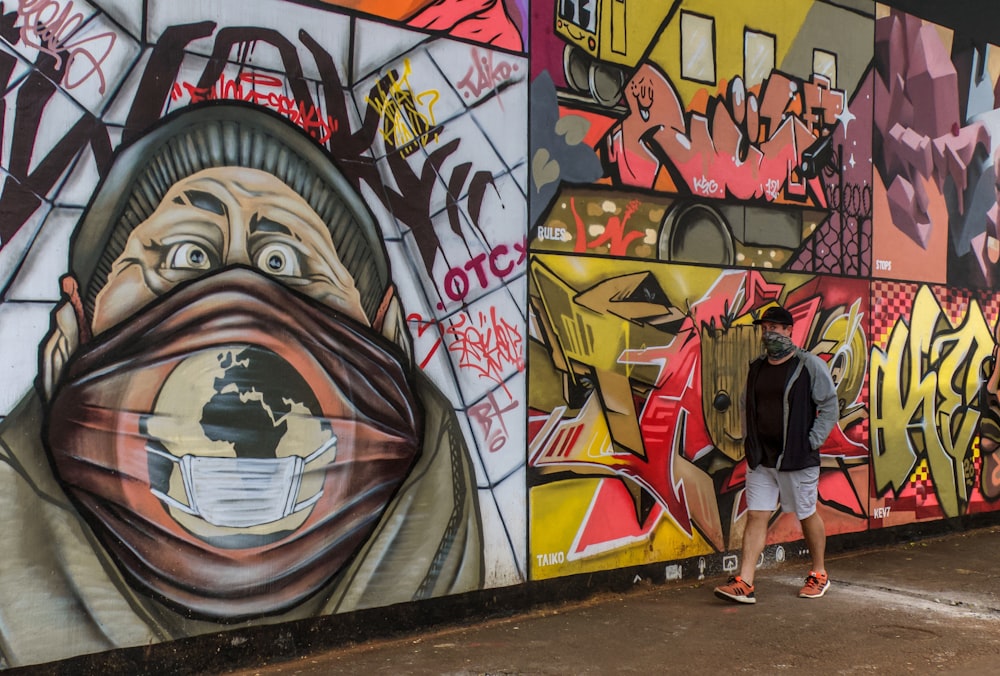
(769, 393)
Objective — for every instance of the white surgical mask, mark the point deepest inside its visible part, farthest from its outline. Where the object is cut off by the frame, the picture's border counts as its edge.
(242, 492)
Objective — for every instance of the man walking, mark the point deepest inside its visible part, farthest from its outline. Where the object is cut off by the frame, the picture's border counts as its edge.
(791, 407)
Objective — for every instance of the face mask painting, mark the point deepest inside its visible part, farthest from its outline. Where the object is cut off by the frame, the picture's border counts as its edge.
(234, 443)
(241, 492)
(777, 345)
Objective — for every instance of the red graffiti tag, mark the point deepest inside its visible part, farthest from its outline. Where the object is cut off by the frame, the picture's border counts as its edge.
(486, 344)
(614, 235)
(260, 89)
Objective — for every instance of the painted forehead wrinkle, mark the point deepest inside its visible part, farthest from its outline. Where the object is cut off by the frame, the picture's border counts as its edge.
(260, 224)
(274, 195)
(206, 201)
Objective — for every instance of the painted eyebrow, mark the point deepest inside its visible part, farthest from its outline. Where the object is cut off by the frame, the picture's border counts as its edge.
(205, 201)
(258, 224)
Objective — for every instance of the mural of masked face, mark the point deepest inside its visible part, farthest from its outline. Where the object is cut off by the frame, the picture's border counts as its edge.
(235, 427)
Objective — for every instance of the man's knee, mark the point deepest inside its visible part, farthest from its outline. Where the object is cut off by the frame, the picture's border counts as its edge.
(813, 520)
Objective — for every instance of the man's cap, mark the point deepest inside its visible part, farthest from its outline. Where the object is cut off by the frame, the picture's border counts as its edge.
(226, 134)
(775, 315)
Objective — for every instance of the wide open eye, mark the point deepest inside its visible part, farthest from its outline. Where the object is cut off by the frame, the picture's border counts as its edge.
(188, 256)
(278, 259)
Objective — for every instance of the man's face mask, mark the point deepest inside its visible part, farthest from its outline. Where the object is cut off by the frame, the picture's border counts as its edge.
(233, 444)
(776, 345)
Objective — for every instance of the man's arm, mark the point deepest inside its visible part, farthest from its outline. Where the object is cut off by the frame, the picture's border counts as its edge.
(824, 395)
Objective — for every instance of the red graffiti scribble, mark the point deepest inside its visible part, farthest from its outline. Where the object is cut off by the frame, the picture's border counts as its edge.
(484, 74)
(486, 346)
(49, 26)
(613, 235)
(422, 327)
(489, 415)
(259, 89)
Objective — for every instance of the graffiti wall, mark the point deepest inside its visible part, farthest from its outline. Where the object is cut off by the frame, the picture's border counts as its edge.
(262, 323)
(696, 163)
(314, 307)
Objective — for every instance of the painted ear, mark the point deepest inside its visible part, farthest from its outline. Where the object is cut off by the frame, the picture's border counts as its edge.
(393, 326)
(63, 340)
(69, 330)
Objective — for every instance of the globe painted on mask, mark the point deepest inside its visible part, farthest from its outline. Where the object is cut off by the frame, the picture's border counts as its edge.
(236, 446)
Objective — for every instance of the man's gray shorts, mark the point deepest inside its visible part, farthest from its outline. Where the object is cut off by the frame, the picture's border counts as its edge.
(796, 491)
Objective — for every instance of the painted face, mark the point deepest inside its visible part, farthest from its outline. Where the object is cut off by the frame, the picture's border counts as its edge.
(223, 217)
(724, 359)
(641, 91)
(235, 442)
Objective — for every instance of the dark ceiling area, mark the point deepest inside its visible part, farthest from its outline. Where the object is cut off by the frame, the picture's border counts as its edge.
(978, 20)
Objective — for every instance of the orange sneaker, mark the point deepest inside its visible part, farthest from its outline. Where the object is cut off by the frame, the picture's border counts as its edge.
(816, 585)
(736, 590)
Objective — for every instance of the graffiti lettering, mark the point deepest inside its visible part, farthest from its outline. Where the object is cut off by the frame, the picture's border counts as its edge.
(486, 345)
(31, 175)
(422, 326)
(556, 234)
(704, 185)
(410, 202)
(408, 196)
(736, 144)
(308, 117)
(404, 126)
(881, 512)
(550, 559)
(772, 189)
(613, 234)
(49, 27)
(489, 415)
(924, 390)
(484, 74)
(456, 281)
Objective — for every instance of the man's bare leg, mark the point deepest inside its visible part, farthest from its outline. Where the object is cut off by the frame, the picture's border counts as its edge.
(754, 537)
(814, 531)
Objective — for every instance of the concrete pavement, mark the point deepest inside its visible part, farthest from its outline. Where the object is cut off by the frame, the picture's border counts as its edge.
(929, 605)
